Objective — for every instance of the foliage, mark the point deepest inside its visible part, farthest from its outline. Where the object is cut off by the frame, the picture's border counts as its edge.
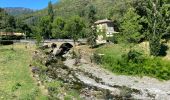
(45, 27)
(91, 14)
(92, 36)
(74, 28)
(92, 29)
(23, 28)
(50, 11)
(155, 22)
(117, 11)
(58, 28)
(38, 38)
(130, 26)
(7, 22)
(133, 56)
(133, 63)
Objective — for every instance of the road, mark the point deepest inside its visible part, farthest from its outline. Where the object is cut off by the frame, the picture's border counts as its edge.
(32, 41)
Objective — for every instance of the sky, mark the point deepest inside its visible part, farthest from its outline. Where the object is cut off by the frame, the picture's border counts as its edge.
(33, 4)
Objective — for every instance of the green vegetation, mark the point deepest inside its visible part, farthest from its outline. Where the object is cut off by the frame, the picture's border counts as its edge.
(50, 11)
(74, 28)
(130, 27)
(10, 24)
(122, 60)
(135, 20)
(16, 80)
(58, 28)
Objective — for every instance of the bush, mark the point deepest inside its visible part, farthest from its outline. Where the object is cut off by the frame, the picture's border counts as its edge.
(155, 46)
(133, 56)
(163, 50)
(6, 42)
(96, 58)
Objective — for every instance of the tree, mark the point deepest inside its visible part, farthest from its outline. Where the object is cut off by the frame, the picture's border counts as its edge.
(45, 27)
(166, 13)
(74, 28)
(38, 35)
(91, 31)
(157, 25)
(131, 26)
(92, 36)
(58, 28)
(23, 28)
(7, 22)
(50, 11)
(91, 14)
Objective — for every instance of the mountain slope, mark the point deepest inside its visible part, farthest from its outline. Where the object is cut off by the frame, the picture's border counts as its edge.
(73, 7)
(18, 10)
(68, 8)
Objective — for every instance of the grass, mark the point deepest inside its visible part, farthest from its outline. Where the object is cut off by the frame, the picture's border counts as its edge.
(118, 60)
(16, 82)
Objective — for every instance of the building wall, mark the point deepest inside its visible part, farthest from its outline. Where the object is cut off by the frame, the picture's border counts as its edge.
(107, 27)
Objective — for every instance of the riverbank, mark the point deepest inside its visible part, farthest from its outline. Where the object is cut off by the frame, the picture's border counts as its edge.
(16, 81)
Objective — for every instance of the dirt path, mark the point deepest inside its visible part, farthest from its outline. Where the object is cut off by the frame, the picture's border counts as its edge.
(142, 88)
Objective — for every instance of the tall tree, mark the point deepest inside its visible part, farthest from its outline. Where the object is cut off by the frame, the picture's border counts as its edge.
(92, 14)
(91, 31)
(58, 28)
(130, 26)
(74, 28)
(45, 27)
(23, 28)
(50, 11)
(157, 24)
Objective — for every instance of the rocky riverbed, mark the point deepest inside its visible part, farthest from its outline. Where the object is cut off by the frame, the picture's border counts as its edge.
(92, 82)
(127, 87)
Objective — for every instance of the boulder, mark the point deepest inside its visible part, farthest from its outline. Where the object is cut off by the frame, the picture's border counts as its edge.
(53, 45)
(44, 47)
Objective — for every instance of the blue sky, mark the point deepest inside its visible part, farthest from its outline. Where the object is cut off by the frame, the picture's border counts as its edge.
(33, 4)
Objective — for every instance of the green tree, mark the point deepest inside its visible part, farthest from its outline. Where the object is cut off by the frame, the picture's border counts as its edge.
(130, 26)
(92, 36)
(157, 23)
(23, 28)
(91, 29)
(58, 28)
(7, 22)
(92, 14)
(50, 11)
(45, 27)
(74, 28)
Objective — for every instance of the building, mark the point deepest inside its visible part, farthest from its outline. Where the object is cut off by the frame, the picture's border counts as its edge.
(11, 34)
(104, 26)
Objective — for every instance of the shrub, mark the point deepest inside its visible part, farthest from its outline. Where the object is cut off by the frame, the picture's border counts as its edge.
(7, 42)
(133, 56)
(96, 58)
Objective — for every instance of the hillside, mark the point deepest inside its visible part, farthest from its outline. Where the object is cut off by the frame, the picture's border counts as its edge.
(72, 7)
(18, 10)
(67, 8)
